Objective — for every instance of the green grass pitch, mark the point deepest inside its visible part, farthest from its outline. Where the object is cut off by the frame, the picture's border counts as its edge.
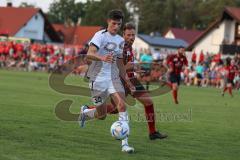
(204, 126)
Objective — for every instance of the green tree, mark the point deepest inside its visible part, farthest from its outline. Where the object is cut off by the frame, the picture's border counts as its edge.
(96, 11)
(154, 15)
(150, 15)
(62, 11)
(209, 11)
(158, 15)
(25, 4)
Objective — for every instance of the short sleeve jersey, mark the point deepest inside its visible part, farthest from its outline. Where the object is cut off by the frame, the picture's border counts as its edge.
(106, 43)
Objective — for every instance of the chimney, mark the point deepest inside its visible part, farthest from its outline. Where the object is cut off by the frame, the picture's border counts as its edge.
(9, 3)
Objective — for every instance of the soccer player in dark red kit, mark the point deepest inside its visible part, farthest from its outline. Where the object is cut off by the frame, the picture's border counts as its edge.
(141, 93)
(175, 64)
(231, 70)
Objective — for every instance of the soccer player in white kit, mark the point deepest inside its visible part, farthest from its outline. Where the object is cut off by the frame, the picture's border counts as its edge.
(106, 53)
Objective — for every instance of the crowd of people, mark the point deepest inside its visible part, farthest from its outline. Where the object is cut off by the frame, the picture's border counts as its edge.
(208, 71)
(212, 71)
(36, 56)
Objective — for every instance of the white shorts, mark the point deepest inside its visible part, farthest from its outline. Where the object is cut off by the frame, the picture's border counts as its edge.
(100, 90)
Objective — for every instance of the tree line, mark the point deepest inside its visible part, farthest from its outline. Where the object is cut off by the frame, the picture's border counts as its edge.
(154, 15)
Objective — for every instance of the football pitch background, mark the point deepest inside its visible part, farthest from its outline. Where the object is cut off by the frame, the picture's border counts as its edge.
(204, 126)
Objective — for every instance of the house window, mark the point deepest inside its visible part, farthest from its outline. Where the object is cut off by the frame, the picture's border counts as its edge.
(238, 30)
(237, 35)
(36, 17)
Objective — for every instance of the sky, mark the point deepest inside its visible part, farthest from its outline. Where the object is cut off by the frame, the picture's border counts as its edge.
(43, 4)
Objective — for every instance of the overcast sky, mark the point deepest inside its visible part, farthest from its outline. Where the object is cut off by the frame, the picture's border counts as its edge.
(43, 4)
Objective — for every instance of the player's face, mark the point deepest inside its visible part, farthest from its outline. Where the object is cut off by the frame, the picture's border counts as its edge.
(129, 36)
(181, 51)
(114, 26)
(232, 62)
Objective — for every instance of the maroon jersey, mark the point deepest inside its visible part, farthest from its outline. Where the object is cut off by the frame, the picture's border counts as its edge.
(177, 62)
(128, 57)
(232, 70)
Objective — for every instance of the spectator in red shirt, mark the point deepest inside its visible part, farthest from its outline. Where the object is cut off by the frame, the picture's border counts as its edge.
(194, 58)
(2, 60)
(201, 57)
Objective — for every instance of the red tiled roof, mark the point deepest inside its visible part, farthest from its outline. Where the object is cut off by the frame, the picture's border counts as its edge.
(231, 11)
(186, 35)
(234, 12)
(12, 19)
(67, 32)
(78, 34)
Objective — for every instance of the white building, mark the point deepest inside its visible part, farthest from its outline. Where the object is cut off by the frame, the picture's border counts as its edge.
(26, 23)
(156, 44)
(222, 36)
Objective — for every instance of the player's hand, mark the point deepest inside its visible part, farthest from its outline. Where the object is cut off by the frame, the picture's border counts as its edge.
(109, 58)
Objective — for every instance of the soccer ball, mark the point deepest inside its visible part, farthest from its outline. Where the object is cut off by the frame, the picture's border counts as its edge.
(119, 130)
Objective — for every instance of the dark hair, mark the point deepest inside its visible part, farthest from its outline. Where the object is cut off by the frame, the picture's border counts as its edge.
(228, 61)
(115, 14)
(179, 47)
(128, 25)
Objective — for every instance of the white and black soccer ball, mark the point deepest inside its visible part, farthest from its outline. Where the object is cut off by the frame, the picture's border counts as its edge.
(120, 130)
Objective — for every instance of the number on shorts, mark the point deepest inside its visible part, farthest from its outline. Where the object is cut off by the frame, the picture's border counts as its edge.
(97, 100)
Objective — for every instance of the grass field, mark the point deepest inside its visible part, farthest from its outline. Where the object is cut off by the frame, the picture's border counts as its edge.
(29, 129)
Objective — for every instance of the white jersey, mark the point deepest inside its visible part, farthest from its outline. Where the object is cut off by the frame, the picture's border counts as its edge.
(106, 43)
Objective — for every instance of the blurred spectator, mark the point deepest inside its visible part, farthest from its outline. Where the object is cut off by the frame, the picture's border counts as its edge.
(48, 57)
(199, 71)
(146, 64)
(201, 57)
(194, 58)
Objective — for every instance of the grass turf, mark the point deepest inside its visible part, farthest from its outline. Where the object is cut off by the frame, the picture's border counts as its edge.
(203, 126)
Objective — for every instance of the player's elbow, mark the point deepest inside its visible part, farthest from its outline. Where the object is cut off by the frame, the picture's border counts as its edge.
(89, 57)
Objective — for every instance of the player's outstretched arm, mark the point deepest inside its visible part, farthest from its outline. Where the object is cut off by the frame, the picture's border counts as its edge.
(93, 55)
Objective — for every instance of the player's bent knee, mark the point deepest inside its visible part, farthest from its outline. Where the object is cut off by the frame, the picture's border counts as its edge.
(148, 103)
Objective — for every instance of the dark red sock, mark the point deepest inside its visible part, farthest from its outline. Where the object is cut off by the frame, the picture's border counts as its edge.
(150, 117)
(230, 90)
(225, 89)
(174, 92)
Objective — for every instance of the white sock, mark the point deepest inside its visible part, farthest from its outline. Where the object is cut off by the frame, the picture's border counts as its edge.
(90, 112)
(125, 142)
(123, 116)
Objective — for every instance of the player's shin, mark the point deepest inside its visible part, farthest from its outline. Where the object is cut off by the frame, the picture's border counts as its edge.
(123, 116)
(150, 117)
(175, 95)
